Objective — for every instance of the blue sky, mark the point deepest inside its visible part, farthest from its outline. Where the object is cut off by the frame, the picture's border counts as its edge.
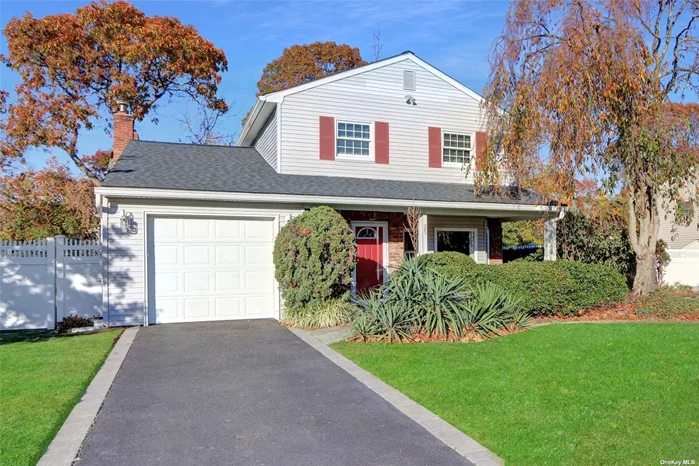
(454, 36)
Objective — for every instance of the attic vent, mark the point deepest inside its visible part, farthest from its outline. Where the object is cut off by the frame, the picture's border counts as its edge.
(408, 80)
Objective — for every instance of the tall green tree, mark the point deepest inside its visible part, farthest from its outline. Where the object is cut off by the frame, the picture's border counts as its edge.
(592, 81)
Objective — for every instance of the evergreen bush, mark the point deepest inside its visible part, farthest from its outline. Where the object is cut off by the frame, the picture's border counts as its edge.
(314, 258)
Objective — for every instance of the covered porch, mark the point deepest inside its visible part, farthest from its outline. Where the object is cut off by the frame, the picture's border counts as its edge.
(475, 232)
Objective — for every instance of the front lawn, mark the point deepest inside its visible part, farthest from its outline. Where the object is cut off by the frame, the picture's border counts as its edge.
(583, 394)
(42, 376)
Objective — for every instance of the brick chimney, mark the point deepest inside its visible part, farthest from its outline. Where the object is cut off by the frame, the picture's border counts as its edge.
(123, 130)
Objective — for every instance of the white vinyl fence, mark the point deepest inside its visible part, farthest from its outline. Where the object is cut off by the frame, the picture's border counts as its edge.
(44, 280)
(683, 267)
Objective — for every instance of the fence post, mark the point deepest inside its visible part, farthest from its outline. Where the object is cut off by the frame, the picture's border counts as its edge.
(51, 272)
(60, 277)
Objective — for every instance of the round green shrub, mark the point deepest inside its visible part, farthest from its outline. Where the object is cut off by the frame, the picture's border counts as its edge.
(314, 258)
(454, 265)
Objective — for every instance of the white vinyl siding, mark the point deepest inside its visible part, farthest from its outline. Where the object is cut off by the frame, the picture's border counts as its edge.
(378, 95)
(126, 252)
(448, 222)
(266, 142)
(679, 236)
(676, 236)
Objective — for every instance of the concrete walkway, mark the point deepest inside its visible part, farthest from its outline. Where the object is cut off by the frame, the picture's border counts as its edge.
(247, 392)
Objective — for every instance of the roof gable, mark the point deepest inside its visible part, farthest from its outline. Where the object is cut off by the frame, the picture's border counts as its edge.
(265, 104)
(409, 56)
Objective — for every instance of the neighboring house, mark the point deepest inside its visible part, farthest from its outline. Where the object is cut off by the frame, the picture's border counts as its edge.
(189, 230)
(682, 244)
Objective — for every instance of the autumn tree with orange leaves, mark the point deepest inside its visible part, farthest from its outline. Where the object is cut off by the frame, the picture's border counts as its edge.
(75, 66)
(300, 64)
(47, 202)
(592, 82)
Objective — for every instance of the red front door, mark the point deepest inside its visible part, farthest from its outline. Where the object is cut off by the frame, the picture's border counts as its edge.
(369, 272)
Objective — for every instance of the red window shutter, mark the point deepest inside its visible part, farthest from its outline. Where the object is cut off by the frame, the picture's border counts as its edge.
(381, 146)
(481, 147)
(435, 144)
(327, 138)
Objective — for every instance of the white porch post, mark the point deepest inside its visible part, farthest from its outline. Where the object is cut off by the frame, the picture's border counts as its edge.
(550, 235)
(422, 235)
(550, 239)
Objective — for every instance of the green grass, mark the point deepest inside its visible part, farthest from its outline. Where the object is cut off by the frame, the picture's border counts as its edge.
(565, 394)
(42, 376)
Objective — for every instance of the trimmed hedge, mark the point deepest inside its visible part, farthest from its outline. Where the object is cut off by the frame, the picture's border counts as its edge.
(314, 258)
(546, 288)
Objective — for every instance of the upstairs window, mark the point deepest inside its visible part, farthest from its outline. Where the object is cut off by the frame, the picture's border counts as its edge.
(456, 148)
(353, 138)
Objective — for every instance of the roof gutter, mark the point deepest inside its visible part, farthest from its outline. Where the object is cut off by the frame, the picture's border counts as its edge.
(250, 122)
(154, 193)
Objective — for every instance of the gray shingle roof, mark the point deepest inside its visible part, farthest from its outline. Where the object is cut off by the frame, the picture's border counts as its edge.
(163, 165)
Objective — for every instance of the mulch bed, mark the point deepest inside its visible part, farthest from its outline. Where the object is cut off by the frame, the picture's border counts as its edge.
(620, 312)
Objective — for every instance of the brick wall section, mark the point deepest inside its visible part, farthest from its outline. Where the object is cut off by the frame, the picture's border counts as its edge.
(396, 227)
(495, 229)
(123, 133)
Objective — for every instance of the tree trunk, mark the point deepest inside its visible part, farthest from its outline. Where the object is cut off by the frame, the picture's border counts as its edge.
(646, 279)
(644, 224)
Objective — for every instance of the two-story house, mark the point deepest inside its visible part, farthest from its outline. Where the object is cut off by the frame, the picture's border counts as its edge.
(189, 230)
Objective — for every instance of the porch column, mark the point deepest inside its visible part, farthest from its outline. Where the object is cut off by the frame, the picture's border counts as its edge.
(550, 234)
(422, 236)
(550, 239)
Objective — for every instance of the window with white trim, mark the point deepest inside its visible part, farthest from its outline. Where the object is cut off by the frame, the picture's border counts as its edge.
(456, 148)
(353, 138)
(458, 240)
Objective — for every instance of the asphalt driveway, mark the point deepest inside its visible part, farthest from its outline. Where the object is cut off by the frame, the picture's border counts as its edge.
(248, 393)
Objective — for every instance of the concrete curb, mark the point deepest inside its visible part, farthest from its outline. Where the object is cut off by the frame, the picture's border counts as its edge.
(66, 445)
(450, 435)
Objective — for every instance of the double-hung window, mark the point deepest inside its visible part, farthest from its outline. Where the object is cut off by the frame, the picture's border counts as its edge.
(353, 138)
(456, 148)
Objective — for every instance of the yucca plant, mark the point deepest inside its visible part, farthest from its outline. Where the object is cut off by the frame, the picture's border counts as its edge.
(394, 322)
(433, 299)
(440, 309)
(489, 309)
(381, 318)
(365, 325)
(521, 319)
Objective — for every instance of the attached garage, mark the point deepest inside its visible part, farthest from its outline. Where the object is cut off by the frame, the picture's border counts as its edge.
(205, 269)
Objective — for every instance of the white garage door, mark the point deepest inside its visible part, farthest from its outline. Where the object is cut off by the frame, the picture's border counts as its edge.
(204, 269)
